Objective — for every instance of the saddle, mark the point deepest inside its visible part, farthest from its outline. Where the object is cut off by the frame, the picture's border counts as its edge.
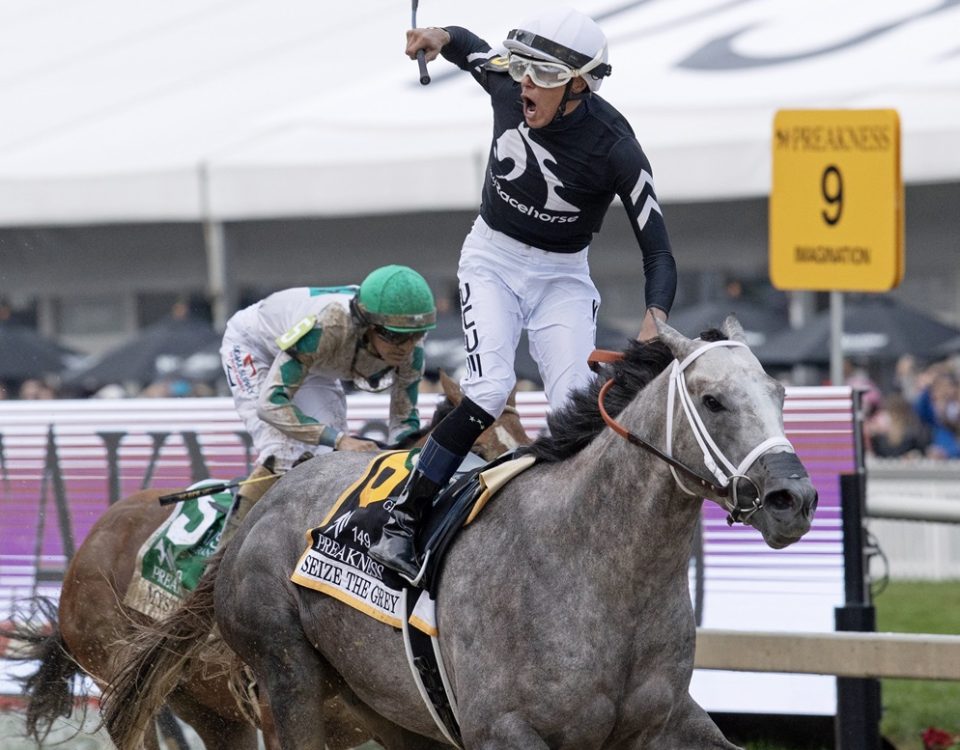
(336, 562)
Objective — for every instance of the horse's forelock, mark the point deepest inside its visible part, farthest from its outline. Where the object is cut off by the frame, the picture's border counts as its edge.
(713, 334)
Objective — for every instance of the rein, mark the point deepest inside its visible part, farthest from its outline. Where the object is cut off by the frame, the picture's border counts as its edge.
(727, 486)
(623, 432)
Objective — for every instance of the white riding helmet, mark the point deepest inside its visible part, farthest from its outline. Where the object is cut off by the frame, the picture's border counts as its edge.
(566, 36)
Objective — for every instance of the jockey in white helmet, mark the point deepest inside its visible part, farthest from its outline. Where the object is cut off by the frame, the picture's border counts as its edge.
(559, 156)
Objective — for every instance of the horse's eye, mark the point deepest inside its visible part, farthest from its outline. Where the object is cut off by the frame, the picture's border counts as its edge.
(712, 404)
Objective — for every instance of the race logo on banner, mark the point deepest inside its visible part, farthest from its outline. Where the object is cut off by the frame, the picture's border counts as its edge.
(171, 561)
(336, 561)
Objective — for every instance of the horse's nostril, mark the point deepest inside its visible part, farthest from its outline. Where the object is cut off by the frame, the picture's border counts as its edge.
(779, 500)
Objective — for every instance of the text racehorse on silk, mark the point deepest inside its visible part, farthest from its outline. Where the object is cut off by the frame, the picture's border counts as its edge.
(563, 610)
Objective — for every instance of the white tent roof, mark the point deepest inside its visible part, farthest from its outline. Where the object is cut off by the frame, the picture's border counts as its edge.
(115, 111)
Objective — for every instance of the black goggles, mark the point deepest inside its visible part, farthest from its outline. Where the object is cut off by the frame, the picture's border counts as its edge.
(397, 337)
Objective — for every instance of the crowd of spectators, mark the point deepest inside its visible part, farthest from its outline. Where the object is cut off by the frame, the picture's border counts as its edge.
(919, 416)
(916, 416)
(34, 389)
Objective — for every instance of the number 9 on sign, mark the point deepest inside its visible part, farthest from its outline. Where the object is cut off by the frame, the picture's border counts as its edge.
(831, 184)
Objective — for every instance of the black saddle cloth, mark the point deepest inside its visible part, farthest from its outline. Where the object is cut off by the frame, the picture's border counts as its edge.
(361, 512)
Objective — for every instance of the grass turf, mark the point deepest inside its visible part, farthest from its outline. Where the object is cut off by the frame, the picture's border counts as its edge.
(909, 706)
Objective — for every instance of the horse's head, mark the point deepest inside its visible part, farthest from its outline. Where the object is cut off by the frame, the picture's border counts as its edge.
(727, 425)
(503, 435)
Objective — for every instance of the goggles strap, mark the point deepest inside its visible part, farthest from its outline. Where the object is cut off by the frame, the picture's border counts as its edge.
(591, 65)
(561, 109)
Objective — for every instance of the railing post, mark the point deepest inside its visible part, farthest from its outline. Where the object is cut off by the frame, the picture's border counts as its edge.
(858, 700)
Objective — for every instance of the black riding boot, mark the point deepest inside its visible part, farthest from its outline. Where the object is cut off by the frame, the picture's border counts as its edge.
(396, 548)
(439, 459)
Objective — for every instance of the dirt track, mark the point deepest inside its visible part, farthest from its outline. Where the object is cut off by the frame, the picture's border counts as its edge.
(12, 731)
(12, 735)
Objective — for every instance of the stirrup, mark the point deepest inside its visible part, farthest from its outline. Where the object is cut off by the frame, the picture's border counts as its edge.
(416, 581)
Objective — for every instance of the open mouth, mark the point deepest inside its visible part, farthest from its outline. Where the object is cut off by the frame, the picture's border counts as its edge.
(529, 106)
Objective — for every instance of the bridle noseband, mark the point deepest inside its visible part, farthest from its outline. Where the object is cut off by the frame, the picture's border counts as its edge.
(727, 477)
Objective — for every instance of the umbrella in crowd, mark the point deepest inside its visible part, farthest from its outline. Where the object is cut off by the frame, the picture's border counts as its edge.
(26, 354)
(949, 347)
(161, 350)
(873, 328)
(759, 322)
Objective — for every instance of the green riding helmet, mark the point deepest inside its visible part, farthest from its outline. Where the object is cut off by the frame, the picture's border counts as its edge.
(397, 298)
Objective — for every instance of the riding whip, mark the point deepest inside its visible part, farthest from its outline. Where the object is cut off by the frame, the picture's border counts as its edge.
(421, 57)
(212, 489)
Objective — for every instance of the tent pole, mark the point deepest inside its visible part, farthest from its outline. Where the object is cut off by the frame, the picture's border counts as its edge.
(836, 338)
(801, 312)
(218, 290)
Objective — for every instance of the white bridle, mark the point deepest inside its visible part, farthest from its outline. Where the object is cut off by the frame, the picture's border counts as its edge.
(726, 474)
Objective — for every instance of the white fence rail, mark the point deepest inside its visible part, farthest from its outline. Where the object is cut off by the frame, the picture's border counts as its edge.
(913, 511)
(867, 655)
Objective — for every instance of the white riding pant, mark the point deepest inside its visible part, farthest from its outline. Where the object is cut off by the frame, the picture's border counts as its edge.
(506, 287)
(246, 364)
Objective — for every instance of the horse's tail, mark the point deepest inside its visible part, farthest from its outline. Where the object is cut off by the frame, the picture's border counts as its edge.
(155, 662)
(33, 634)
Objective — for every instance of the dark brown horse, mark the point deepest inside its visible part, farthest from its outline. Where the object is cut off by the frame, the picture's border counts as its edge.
(83, 634)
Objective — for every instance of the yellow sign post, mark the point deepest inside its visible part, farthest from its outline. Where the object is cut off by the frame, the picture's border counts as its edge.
(836, 207)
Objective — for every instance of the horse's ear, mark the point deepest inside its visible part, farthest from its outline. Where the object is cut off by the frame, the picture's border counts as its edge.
(512, 398)
(676, 342)
(451, 388)
(733, 329)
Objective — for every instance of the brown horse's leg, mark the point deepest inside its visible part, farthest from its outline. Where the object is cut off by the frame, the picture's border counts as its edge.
(295, 685)
(340, 719)
(344, 730)
(268, 726)
(151, 738)
(216, 731)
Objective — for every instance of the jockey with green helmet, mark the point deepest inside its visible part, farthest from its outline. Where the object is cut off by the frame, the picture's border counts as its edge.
(287, 356)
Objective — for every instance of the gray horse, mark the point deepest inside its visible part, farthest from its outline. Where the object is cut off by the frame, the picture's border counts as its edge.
(564, 612)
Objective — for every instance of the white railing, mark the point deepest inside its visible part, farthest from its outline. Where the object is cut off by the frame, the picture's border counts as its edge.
(913, 510)
(914, 656)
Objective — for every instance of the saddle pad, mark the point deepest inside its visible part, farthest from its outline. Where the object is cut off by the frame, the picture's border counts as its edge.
(171, 561)
(336, 562)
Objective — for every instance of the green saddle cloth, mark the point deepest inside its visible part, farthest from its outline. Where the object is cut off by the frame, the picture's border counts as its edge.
(171, 561)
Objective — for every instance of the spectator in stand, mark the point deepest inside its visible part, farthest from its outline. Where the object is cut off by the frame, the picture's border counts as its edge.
(856, 376)
(938, 407)
(175, 387)
(906, 377)
(896, 430)
(34, 389)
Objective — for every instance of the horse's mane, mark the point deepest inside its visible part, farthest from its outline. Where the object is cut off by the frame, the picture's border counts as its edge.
(578, 422)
